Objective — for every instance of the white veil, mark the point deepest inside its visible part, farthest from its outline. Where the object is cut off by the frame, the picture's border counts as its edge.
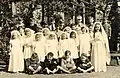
(17, 32)
(105, 38)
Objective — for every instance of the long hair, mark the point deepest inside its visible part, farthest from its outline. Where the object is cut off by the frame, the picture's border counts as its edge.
(105, 39)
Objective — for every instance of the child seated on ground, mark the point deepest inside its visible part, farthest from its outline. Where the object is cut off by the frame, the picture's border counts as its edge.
(67, 63)
(33, 64)
(83, 64)
(50, 64)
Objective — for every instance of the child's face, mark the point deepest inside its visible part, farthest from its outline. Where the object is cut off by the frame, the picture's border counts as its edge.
(97, 27)
(38, 37)
(45, 32)
(73, 35)
(21, 30)
(67, 30)
(68, 55)
(14, 36)
(79, 20)
(49, 57)
(83, 30)
(91, 20)
(52, 36)
(90, 28)
(28, 33)
(78, 30)
(73, 27)
(83, 58)
(63, 36)
(61, 26)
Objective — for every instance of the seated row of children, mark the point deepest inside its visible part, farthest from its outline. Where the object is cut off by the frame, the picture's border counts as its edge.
(62, 65)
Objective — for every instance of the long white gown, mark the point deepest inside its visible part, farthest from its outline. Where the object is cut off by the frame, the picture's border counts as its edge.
(84, 44)
(16, 61)
(98, 54)
(73, 48)
(52, 46)
(28, 50)
(63, 46)
(39, 48)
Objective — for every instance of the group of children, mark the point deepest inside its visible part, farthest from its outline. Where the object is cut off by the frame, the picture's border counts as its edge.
(62, 65)
(81, 48)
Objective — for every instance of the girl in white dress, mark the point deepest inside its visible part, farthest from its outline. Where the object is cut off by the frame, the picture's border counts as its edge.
(46, 32)
(78, 30)
(39, 46)
(28, 43)
(16, 61)
(100, 49)
(91, 32)
(84, 42)
(22, 35)
(52, 44)
(74, 42)
(63, 44)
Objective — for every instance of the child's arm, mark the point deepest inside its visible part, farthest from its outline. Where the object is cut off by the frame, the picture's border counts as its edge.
(54, 71)
(10, 47)
(63, 69)
(63, 64)
(91, 68)
(81, 69)
(48, 70)
(72, 62)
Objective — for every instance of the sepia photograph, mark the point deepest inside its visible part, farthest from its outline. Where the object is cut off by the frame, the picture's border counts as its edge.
(59, 38)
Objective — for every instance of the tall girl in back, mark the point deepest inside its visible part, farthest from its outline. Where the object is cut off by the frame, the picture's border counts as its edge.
(100, 54)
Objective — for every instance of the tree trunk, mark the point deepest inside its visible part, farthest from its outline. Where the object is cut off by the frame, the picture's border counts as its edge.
(13, 9)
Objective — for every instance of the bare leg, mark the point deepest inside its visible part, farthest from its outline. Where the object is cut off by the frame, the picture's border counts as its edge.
(48, 71)
(31, 68)
(37, 70)
(54, 71)
(64, 70)
(90, 69)
(80, 69)
(73, 68)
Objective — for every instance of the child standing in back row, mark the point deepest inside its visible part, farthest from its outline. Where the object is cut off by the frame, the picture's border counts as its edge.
(16, 61)
(39, 46)
(84, 42)
(28, 43)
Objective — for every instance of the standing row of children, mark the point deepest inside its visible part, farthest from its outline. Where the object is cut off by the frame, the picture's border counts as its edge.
(90, 42)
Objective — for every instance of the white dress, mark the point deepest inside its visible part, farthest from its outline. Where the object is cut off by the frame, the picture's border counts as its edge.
(16, 61)
(63, 46)
(28, 49)
(39, 48)
(52, 46)
(73, 48)
(98, 54)
(84, 44)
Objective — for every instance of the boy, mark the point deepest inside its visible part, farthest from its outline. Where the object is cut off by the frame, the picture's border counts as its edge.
(50, 64)
(33, 64)
(67, 63)
(83, 64)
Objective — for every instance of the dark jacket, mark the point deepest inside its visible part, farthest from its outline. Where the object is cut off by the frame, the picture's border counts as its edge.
(50, 64)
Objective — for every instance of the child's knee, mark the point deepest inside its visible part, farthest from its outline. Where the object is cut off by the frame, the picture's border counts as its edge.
(30, 67)
(39, 67)
(74, 67)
